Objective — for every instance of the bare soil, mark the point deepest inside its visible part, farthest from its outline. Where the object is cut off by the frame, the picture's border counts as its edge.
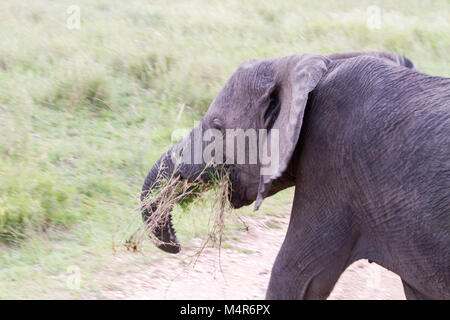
(242, 271)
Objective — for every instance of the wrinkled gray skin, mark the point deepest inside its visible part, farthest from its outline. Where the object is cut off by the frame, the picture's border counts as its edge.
(365, 140)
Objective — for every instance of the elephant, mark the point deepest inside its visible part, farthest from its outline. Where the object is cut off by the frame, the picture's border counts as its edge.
(364, 138)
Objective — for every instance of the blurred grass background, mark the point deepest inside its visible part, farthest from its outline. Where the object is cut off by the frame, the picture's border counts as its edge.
(85, 112)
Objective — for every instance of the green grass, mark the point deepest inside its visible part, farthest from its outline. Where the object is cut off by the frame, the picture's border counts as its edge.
(84, 113)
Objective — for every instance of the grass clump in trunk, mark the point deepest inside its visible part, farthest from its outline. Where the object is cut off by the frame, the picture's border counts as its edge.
(172, 191)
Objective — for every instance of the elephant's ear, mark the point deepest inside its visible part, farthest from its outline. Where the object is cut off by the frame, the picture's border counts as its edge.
(295, 77)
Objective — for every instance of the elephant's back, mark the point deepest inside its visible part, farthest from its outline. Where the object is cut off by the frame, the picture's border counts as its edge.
(382, 134)
(407, 154)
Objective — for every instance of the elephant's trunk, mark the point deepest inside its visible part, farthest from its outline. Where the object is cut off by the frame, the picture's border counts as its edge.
(166, 167)
(163, 230)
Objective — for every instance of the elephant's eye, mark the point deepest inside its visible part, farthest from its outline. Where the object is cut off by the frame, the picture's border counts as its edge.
(217, 124)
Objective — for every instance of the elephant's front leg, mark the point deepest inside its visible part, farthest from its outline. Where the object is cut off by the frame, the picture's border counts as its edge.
(317, 249)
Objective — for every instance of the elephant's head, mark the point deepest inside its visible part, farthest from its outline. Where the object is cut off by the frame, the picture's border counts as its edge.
(252, 127)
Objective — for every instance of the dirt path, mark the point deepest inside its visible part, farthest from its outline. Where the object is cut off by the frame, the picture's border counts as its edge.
(245, 272)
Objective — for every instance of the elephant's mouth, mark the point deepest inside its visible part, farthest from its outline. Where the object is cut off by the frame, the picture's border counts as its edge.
(237, 201)
(236, 196)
